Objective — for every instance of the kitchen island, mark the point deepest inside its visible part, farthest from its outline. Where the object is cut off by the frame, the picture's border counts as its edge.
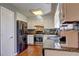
(64, 51)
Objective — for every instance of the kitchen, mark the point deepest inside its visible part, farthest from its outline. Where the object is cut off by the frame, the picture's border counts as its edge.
(39, 26)
(54, 27)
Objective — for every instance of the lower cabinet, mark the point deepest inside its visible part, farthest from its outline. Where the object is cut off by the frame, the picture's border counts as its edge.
(30, 39)
(72, 39)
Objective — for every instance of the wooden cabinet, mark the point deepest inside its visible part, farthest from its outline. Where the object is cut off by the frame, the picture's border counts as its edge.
(63, 12)
(72, 38)
(30, 39)
(39, 28)
(70, 12)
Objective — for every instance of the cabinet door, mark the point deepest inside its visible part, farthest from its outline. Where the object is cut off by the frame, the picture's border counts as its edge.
(7, 32)
(64, 12)
(70, 11)
(30, 39)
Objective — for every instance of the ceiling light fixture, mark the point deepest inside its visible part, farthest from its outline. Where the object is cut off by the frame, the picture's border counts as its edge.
(37, 12)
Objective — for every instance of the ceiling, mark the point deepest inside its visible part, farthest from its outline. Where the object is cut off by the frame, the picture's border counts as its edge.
(26, 8)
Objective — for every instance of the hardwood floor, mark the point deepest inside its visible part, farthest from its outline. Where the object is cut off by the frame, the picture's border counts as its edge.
(35, 50)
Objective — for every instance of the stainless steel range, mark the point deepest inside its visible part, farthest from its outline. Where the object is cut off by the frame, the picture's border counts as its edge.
(38, 39)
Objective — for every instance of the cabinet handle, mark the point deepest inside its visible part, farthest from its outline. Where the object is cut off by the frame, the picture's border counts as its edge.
(11, 37)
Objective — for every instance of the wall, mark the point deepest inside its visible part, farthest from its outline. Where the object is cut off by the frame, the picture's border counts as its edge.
(20, 17)
(46, 21)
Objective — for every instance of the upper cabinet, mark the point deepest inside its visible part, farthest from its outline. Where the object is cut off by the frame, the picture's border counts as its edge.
(70, 12)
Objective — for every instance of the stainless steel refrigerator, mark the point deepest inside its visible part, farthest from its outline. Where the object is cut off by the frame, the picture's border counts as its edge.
(21, 36)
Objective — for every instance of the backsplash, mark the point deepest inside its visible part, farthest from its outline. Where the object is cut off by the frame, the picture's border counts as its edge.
(51, 31)
(46, 31)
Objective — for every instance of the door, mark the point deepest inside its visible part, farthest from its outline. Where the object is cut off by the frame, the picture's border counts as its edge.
(7, 32)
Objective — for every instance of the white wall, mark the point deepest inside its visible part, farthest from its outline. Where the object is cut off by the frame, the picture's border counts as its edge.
(21, 17)
(46, 21)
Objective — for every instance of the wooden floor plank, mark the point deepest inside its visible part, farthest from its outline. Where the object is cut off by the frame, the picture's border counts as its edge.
(35, 50)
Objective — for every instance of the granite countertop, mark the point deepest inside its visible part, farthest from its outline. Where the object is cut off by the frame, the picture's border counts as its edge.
(64, 49)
